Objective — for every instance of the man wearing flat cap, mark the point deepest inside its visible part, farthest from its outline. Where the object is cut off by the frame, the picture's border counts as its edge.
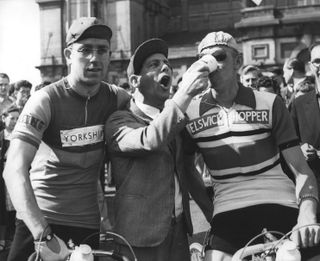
(152, 203)
(61, 132)
(240, 133)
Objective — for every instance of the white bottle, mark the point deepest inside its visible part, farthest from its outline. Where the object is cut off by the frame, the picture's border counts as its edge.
(82, 253)
(210, 61)
(288, 251)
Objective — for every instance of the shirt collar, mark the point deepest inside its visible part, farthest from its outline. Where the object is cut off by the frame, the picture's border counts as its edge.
(148, 110)
(245, 96)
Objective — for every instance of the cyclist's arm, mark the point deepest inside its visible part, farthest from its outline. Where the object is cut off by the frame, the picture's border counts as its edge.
(194, 179)
(16, 175)
(306, 183)
(307, 190)
(26, 138)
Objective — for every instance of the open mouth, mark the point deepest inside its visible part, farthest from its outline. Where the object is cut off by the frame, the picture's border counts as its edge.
(94, 69)
(165, 81)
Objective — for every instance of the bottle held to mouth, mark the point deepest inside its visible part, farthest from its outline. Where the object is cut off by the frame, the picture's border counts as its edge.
(210, 61)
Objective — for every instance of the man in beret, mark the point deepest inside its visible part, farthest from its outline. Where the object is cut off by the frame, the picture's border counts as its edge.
(61, 132)
(240, 133)
(152, 203)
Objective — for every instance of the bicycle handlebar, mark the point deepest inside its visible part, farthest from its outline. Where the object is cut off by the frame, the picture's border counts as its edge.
(254, 249)
(112, 254)
(100, 253)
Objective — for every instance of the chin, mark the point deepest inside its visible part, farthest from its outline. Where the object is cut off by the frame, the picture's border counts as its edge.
(92, 81)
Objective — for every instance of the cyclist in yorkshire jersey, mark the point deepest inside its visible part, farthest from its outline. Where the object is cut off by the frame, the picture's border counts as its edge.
(60, 138)
(240, 133)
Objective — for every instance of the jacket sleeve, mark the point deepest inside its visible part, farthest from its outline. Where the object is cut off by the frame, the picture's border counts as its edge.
(127, 133)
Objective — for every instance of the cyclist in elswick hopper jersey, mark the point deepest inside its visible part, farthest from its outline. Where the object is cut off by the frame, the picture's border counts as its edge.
(61, 132)
(240, 133)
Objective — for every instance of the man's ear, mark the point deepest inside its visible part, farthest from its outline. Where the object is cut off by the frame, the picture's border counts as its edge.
(67, 54)
(134, 80)
(238, 61)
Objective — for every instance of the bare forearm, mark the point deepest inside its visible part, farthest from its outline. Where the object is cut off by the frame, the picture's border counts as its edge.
(25, 204)
(306, 184)
(16, 175)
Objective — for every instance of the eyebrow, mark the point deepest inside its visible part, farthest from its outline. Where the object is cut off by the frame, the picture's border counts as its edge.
(93, 45)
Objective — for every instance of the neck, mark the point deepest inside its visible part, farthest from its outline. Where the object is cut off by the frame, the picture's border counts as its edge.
(225, 96)
(82, 88)
(138, 96)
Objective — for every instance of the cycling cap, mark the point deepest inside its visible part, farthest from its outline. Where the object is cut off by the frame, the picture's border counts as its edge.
(87, 27)
(143, 51)
(217, 38)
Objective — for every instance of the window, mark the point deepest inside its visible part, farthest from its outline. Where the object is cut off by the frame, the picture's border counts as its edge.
(81, 8)
(286, 49)
(260, 51)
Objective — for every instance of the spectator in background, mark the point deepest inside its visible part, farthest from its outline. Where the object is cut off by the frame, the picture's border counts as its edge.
(276, 73)
(249, 76)
(7, 212)
(267, 84)
(293, 73)
(305, 112)
(22, 91)
(307, 85)
(39, 86)
(11, 91)
(5, 100)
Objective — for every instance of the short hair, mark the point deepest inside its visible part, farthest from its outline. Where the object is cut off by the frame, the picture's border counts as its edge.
(313, 46)
(11, 108)
(22, 83)
(296, 64)
(4, 75)
(250, 68)
(268, 82)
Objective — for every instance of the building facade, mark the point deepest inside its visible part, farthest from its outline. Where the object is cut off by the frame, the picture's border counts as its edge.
(269, 32)
(278, 29)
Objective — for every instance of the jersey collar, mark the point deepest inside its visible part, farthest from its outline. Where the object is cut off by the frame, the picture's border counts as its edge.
(245, 96)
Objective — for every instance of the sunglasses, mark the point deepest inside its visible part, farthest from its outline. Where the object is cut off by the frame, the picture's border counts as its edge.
(219, 55)
(316, 62)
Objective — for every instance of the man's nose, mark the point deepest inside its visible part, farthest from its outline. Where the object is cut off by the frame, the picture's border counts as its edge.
(165, 68)
(94, 54)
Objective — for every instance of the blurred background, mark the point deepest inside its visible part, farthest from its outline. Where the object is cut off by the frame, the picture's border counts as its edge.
(32, 32)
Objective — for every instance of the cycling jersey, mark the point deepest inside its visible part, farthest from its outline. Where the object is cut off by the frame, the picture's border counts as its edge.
(240, 146)
(69, 130)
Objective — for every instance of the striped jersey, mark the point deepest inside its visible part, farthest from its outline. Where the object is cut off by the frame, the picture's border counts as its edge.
(240, 146)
